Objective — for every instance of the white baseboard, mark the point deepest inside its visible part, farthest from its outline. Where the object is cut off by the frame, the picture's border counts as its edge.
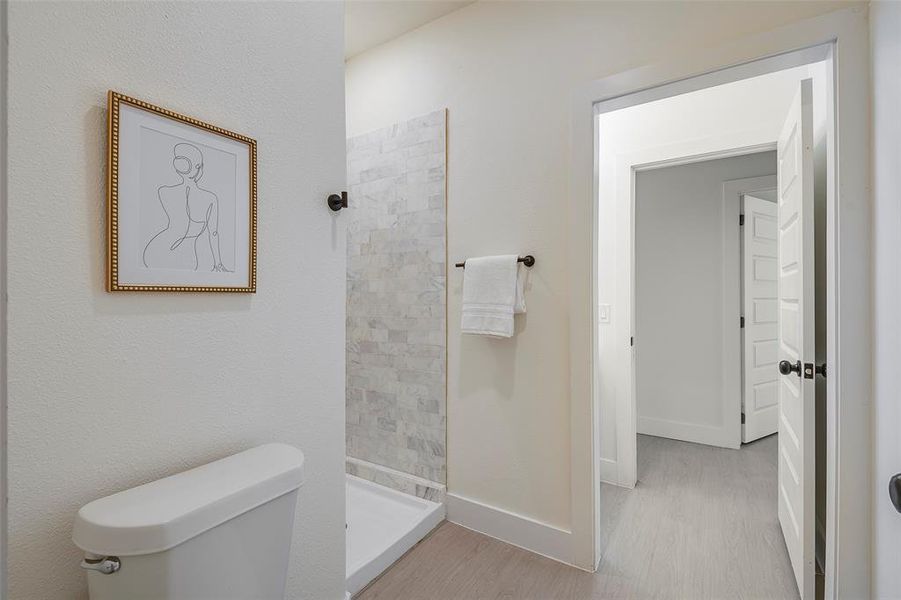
(609, 471)
(686, 432)
(512, 528)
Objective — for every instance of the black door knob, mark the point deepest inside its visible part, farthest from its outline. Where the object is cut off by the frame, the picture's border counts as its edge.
(894, 491)
(786, 367)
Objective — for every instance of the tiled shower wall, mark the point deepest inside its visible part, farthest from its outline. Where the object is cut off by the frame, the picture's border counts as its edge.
(396, 321)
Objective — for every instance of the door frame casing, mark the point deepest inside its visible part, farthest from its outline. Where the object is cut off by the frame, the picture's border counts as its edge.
(845, 33)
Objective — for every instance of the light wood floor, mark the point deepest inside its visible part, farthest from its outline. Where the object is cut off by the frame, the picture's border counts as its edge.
(700, 524)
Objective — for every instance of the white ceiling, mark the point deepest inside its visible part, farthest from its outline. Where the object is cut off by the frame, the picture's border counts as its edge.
(369, 23)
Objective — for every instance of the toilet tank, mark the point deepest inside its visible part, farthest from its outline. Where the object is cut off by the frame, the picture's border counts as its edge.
(221, 531)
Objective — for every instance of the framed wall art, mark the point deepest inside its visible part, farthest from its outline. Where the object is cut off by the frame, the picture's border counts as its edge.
(181, 201)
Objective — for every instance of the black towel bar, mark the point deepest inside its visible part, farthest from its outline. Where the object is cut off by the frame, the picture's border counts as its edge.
(528, 260)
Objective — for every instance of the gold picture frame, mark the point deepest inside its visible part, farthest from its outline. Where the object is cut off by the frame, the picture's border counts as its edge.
(149, 148)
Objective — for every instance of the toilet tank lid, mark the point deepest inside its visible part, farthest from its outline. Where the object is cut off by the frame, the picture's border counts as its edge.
(164, 513)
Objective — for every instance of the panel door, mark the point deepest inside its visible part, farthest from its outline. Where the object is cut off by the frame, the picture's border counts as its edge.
(796, 330)
(761, 346)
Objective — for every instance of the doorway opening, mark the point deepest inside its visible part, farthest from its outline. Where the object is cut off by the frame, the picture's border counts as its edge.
(711, 330)
(689, 304)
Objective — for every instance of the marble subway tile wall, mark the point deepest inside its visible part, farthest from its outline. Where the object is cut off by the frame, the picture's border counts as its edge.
(396, 301)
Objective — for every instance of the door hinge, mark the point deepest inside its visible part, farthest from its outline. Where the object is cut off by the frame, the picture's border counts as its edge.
(742, 323)
(742, 418)
(632, 341)
(741, 220)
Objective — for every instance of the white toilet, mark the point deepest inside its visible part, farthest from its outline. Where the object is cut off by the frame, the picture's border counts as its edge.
(221, 531)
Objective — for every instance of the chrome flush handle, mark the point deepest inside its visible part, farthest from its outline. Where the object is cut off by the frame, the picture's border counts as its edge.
(105, 564)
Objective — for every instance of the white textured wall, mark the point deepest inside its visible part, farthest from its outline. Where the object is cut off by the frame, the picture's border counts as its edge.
(506, 72)
(104, 392)
(885, 40)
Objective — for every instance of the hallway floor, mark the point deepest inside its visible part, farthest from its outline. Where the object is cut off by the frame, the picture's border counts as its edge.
(701, 523)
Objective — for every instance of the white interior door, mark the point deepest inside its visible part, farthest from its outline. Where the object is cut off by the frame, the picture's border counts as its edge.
(760, 400)
(796, 338)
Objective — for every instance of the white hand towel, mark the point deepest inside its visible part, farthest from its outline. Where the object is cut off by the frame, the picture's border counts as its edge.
(492, 293)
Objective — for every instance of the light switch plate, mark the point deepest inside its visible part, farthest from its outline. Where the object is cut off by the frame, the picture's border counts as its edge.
(603, 313)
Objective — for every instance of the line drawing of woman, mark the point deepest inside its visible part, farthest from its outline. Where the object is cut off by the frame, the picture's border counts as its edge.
(192, 215)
